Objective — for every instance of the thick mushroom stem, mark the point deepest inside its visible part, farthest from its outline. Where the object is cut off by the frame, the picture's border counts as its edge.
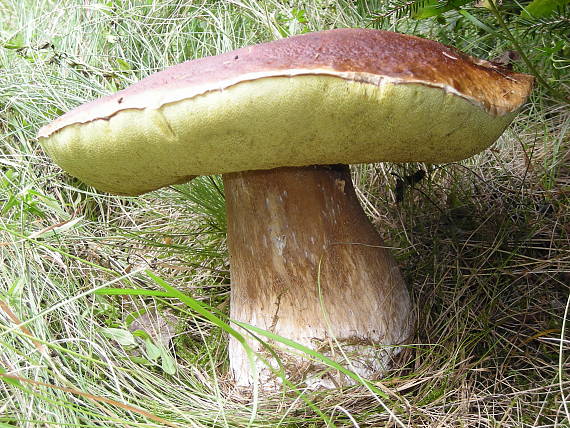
(307, 264)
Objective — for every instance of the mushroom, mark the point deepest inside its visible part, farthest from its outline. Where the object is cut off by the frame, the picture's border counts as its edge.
(281, 121)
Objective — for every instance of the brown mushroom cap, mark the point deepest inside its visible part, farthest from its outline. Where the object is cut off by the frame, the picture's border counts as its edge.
(339, 96)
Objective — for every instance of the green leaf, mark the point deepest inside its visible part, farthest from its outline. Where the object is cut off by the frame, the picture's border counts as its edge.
(15, 42)
(123, 337)
(142, 334)
(10, 203)
(542, 8)
(123, 65)
(132, 292)
(433, 8)
(152, 351)
(299, 15)
(133, 315)
(200, 308)
(9, 380)
(140, 360)
(16, 289)
(168, 363)
(57, 230)
(477, 22)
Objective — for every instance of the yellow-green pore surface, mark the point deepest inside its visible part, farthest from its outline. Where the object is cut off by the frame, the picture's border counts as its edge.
(273, 122)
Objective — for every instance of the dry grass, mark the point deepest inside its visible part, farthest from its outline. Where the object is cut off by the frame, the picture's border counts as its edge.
(484, 246)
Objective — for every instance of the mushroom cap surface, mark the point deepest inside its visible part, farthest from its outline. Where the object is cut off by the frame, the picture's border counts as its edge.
(337, 96)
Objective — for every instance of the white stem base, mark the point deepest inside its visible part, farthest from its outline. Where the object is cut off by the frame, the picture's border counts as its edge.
(307, 264)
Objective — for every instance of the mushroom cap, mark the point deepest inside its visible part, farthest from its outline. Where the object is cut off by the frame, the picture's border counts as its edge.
(338, 96)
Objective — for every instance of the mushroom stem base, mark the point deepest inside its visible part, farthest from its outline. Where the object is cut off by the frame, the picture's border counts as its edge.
(307, 265)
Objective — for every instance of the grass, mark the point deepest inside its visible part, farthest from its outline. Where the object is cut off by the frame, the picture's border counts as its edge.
(484, 244)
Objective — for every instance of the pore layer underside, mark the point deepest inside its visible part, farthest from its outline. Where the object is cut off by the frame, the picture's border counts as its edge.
(270, 123)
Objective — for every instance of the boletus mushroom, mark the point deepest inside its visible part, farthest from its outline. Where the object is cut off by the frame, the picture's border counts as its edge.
(281, 121)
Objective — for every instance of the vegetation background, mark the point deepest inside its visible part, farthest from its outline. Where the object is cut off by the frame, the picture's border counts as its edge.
(112, 309)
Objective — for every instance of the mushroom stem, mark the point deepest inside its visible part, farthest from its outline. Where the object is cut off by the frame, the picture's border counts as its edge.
(307, 264)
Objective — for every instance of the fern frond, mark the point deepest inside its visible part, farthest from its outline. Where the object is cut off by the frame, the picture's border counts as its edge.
(398, 9)
(556, 23)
